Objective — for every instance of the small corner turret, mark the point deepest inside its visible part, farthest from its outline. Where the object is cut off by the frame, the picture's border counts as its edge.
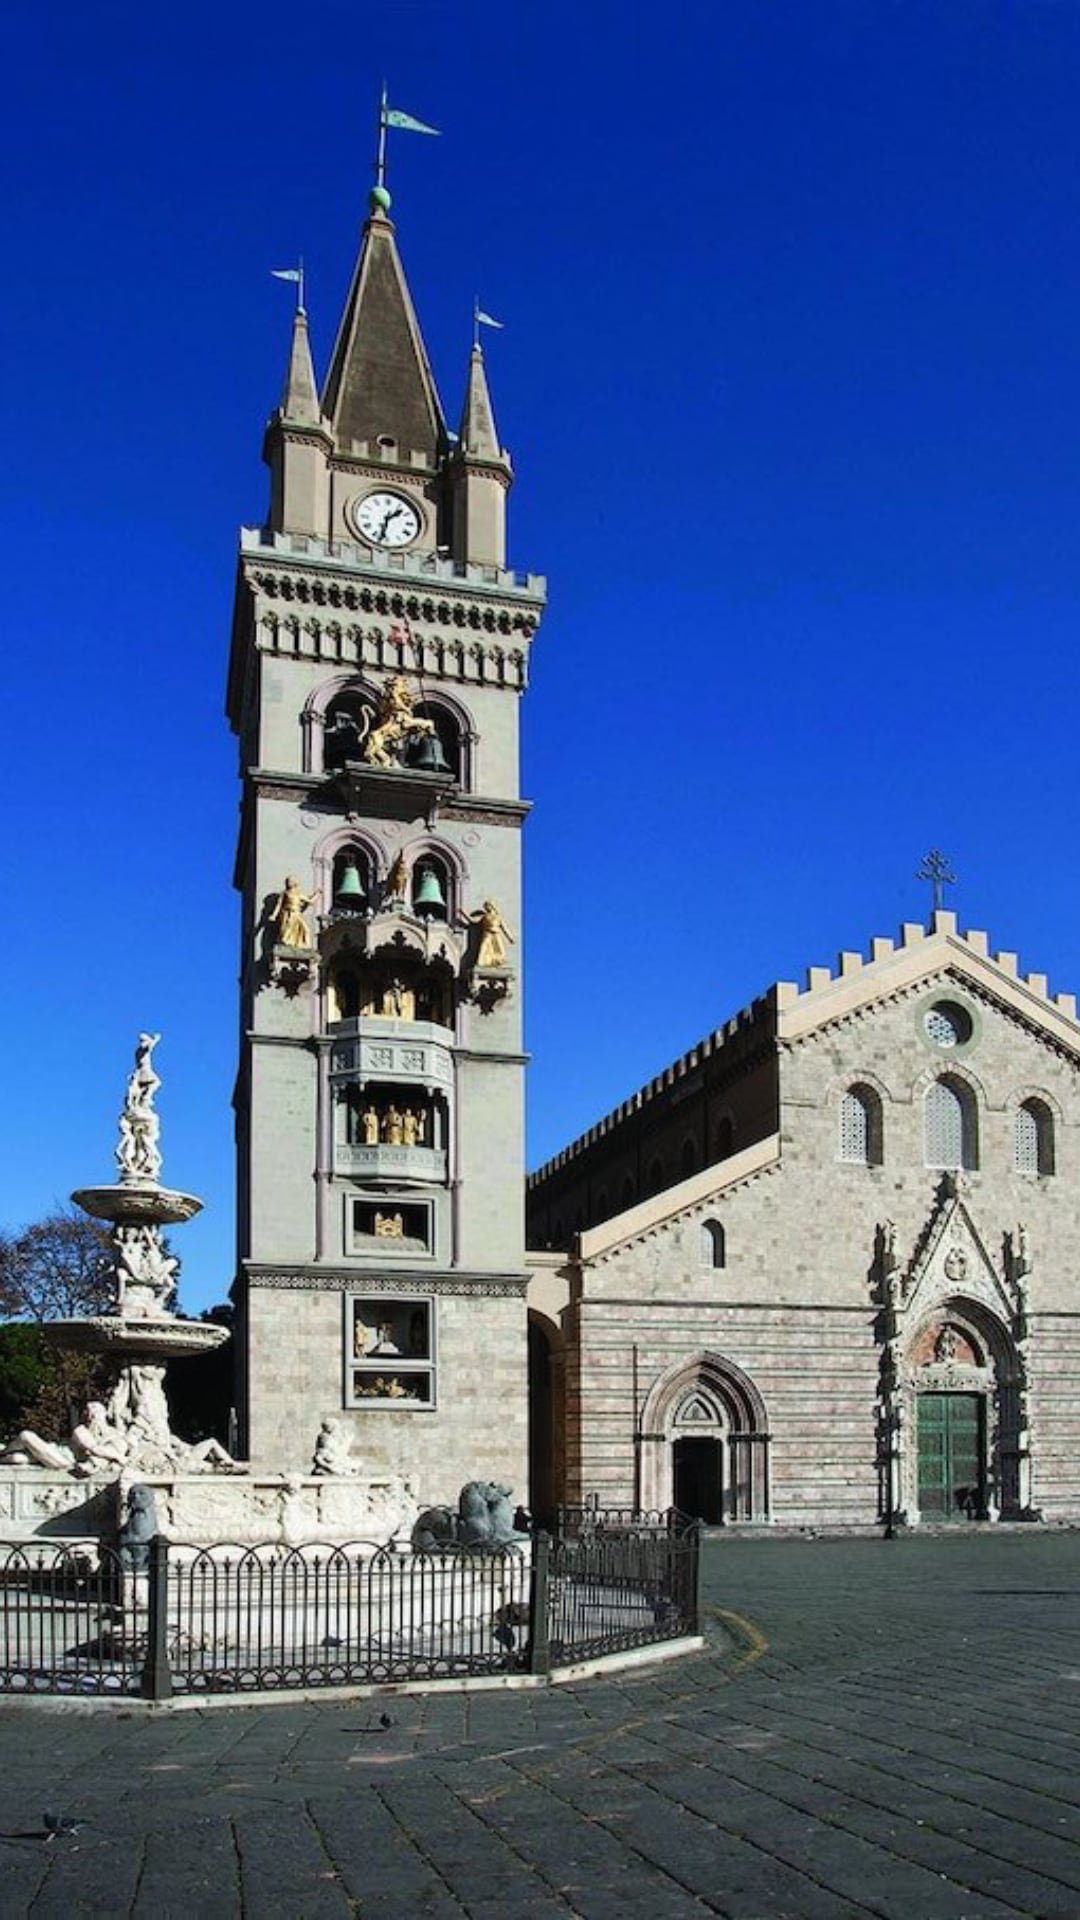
(297, 444)
(481, 475)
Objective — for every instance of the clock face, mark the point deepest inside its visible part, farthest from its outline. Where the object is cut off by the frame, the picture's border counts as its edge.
(387, 519)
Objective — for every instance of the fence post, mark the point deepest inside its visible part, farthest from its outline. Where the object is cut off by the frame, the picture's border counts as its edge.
(694, 1534)
(539, 1591)
(157, 1674)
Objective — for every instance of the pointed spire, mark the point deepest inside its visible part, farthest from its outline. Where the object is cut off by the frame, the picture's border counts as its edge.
(300, 396)
(379, 387)
(478, 437)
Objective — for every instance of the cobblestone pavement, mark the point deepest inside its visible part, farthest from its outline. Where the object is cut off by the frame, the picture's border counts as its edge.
(887, 1728)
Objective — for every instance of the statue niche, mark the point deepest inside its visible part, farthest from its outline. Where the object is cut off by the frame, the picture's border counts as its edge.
(392, 1117)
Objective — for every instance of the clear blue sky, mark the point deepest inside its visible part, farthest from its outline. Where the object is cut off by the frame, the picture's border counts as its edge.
(790, 376)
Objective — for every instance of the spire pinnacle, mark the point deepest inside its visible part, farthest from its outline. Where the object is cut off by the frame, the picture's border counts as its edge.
(300, 396)
(478, 437)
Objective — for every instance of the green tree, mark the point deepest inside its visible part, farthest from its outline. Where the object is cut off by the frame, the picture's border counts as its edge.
(23, 1368)
(57, 1269)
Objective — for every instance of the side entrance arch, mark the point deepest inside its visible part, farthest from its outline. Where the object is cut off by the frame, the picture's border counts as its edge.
(703, 1443)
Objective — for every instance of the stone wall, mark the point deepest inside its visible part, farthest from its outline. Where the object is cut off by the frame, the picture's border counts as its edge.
(477, 1428)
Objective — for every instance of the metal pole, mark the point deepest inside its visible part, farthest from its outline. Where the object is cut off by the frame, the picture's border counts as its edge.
(157, 1674)
(539, 1588)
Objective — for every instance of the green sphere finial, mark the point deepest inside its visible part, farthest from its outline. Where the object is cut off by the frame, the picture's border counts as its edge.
(379, 200)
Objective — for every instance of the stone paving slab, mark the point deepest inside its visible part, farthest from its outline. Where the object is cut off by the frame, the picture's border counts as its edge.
(886, 1729)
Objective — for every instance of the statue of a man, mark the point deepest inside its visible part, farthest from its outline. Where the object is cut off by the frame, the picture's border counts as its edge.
(332, 1454)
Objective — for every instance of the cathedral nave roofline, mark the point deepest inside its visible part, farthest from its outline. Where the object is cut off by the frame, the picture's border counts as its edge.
(786, 1012)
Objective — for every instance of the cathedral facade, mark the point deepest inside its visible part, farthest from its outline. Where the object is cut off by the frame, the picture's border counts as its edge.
(380, 650)
(823, 1270)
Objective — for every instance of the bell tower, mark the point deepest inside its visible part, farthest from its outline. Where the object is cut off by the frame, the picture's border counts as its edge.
(380, 649)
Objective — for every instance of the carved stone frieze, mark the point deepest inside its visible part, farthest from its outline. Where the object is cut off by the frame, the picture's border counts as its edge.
(311, 1280)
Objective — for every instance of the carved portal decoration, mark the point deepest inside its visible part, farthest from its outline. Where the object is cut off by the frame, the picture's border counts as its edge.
(952, 1319)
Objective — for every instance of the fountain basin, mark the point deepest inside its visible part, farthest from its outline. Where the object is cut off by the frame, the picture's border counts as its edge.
(158, 1205)
(150, 1340)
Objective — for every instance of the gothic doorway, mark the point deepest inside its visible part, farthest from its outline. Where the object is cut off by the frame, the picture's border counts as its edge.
(698, 1478)
(703, 1443)
(952, 1456)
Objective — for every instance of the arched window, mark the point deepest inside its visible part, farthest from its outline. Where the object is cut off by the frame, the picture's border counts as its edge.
(725, 1136)
(713, 1244)
(629, 1191)
(656, 1177)
(1034, 1138)
(689, 1159)
(860, 1127)
(952, 1135)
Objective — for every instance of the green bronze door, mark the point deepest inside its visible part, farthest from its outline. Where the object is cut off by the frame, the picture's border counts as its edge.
(951, 1441)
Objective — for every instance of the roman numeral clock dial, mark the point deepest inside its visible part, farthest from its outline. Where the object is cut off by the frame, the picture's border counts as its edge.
(387, 520)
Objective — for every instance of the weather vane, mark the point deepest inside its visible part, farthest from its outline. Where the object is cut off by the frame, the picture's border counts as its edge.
(936, 869)
(404, 122)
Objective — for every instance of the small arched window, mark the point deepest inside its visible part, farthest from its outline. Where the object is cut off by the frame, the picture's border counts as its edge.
(725, 1136)
(713, 1244)
(656, 1177)
(629, 1191)
(860, 1127)
(952, 1136)
(1034, 1138)
(689, 1159)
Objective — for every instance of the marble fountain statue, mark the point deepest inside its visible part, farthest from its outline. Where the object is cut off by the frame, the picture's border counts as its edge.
(78, 1490)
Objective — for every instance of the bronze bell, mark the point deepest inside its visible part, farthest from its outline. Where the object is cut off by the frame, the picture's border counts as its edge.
(429, 899)
(349, 891)
(427, 755)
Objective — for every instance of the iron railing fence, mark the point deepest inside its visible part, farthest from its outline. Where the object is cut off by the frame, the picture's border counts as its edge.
(590, 1519)
(66, 1624)
(611, 1591)
(248, 1620)
(229, 1619)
